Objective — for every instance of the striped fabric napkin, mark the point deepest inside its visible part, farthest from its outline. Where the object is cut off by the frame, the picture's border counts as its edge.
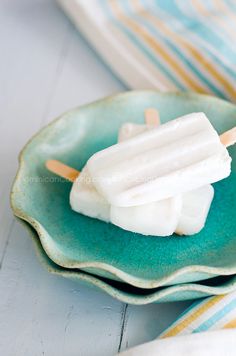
(212, 314)
(164, 44)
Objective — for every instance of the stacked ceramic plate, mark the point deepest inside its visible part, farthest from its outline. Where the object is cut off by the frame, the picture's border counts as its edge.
(131, 267)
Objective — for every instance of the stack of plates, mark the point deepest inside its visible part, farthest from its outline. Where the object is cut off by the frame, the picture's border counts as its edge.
(133, 268)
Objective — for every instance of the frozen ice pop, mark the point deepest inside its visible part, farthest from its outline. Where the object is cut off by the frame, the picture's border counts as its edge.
(174, 158)
(161, 218)
(158, 219)
(194, 212)
(191, 218)
(184, 215)
(85, 199)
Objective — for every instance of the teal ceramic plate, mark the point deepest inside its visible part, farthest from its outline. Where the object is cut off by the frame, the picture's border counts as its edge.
(132, 295)
(73, 241)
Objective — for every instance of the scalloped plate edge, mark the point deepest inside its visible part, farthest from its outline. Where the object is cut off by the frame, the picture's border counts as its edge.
(118, 274)
(168, 294)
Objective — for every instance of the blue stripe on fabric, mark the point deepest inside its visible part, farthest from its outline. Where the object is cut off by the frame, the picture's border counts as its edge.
(142, 46)
(176, 50)
(190, 310)
(226, 66)
(199, 28)
(216, 317)
(193, 307)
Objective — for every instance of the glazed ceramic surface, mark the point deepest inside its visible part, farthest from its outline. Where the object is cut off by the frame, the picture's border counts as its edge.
(133, 295)
(73, 241)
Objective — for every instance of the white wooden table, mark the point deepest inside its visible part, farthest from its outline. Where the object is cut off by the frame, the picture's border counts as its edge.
(45, 69)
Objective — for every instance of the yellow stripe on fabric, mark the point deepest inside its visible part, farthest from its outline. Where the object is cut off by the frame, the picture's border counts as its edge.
(192, 317)
(160, 26)
(203, 61)
(230, 325)
(150, 40)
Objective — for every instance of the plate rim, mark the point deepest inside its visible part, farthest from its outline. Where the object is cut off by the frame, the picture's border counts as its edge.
(129, 298)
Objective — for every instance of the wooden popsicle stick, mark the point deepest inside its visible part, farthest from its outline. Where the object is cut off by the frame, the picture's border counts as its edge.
(62, 170)
(228, 138)
(152, 117)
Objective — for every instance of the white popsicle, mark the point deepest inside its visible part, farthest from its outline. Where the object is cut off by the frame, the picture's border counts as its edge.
(186, 218)
(161, 218)
(158, 219)
(195, 208)
(85, 199)
(177, 157)
(184, 215)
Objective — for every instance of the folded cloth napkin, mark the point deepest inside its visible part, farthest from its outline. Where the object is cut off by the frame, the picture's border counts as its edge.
(163, 44)
(209, 320)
